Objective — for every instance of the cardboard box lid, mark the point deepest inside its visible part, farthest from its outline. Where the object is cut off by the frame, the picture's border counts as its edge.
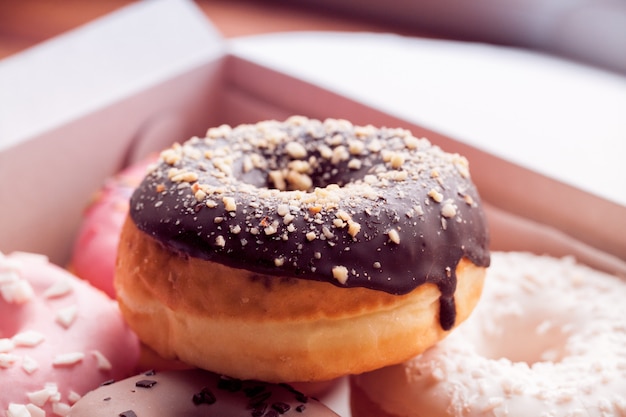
(544, 136)
(543, 113)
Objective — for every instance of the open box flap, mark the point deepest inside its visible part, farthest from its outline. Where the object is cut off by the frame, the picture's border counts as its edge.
(544, 136)
(77, 108)
(543, 113)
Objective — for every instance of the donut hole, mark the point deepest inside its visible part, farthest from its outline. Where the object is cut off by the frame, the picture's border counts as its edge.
(287, 173)
(306, 177)
(525, 334)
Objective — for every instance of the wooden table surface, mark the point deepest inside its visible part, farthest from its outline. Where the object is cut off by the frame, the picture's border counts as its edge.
(24, 23)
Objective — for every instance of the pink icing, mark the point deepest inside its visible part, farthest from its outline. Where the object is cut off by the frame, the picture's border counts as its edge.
(59, 337)
(96, 244)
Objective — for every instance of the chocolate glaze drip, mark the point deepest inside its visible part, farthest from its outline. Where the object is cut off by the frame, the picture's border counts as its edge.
(326, 201)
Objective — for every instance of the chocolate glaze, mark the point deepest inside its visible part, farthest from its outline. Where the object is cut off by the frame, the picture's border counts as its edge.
(327, 201)
(195, 392)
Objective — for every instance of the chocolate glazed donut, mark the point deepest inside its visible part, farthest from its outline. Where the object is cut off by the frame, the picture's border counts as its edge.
(326, 202)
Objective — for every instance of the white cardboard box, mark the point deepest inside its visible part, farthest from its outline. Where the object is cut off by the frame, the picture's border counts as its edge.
(546, 138)
(79, 107)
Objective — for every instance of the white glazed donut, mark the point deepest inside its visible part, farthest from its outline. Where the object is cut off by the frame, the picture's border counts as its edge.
(548, 338)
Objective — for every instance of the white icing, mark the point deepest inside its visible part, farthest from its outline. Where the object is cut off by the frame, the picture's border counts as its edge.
(18, 410)
(548, 338)
(60, 409)
(6, 345)
(29, 338)
(7, 360)
(66, 316)
(73, 397)
(17, 292)
(68, 359)
(29, 365)
(60, 288)
(103, 363)
(35, 411)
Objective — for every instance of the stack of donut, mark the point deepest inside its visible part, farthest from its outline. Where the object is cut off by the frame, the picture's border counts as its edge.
(306, 250)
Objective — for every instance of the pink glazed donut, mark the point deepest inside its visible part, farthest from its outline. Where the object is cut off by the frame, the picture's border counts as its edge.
(59, 338)
(95, 248)
(548, 338)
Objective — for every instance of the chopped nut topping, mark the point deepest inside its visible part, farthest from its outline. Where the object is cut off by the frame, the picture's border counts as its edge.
(282, 210)
(448, 210)
(353, 228)
(171, 156)
(182, 176)
(340, 273)
(229, 204)
(394, 236)
(200, 195)
(435, 195)
(271, 229)
(397, 160)
(355, 164)
(296, 150)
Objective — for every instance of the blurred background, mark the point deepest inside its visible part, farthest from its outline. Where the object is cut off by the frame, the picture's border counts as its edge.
(587, 31)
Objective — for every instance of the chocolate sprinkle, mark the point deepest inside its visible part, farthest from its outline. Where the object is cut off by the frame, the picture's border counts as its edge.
(281, 407)
(145, 383)
(205, 396)
(259, 410)
(128, 413)
(253, 391)
(259, 399)
(328, 201)
(301, 408)
(229, 384)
